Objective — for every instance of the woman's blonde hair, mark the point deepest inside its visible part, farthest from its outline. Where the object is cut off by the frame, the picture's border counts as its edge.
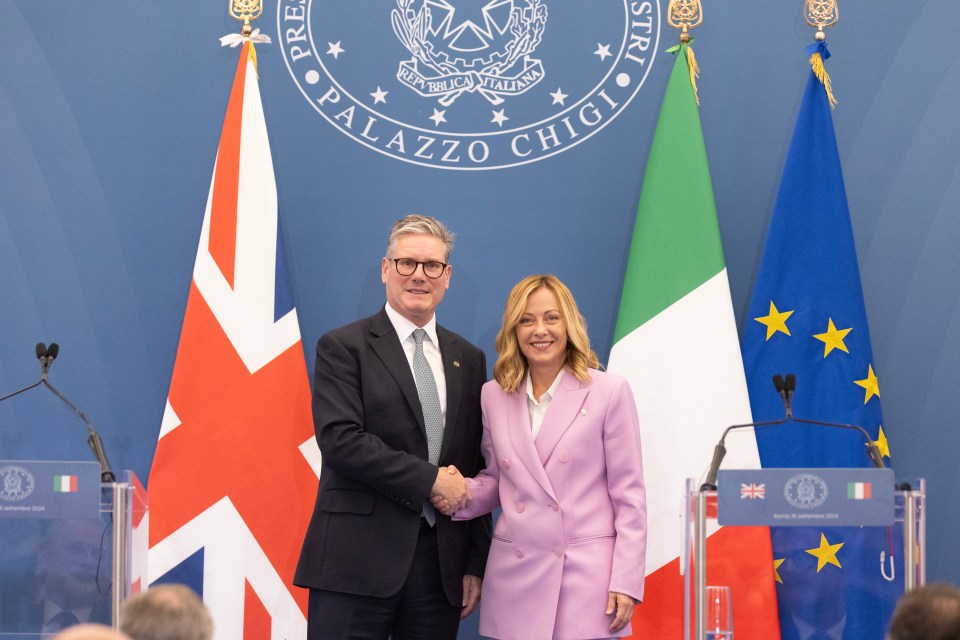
(511, 364)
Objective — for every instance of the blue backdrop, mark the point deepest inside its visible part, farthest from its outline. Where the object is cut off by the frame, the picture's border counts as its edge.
(110, 115)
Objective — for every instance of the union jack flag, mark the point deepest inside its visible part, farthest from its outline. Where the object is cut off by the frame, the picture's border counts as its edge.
(236, 466)
(753, 491)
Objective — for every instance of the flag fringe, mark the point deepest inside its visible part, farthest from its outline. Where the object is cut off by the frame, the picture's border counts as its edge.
(253, 59)
(816, 63)
(694, 73)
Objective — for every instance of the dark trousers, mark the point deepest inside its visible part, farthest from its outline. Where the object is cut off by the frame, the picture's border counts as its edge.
(419, 611)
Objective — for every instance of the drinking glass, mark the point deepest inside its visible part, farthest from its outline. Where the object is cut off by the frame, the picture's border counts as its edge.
(719, 614)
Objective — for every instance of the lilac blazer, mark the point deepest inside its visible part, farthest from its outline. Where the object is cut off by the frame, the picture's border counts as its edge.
(574, 523)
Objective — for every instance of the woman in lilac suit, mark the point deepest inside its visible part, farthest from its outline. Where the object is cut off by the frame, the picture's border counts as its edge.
(562, 449)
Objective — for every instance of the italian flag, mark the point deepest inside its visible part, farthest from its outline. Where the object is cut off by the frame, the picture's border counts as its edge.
(676, 342)
(859, 491)
(64, 484)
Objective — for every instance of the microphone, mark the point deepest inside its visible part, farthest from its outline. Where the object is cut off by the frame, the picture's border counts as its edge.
(785, 389)
(789, 384)
(46, 355)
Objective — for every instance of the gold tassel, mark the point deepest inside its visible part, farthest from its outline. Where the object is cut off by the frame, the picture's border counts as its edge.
(816, 63)
(694, 72)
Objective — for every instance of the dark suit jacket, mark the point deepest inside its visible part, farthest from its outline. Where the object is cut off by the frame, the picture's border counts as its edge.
(375, 475)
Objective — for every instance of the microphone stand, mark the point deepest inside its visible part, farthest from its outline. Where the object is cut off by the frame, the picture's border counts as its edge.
(46, 357)
(785, 388)
(93, 438)
(873, 452)
(19, 391)
(710, 483)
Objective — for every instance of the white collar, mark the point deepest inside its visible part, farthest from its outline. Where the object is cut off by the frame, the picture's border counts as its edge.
(552, 391)
(405, 328)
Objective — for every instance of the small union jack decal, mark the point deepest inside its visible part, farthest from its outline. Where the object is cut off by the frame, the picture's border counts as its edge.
(753, 491)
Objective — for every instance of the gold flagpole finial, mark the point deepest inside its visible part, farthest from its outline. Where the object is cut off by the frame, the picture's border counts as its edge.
(245, 10)
(821, 14)
(684, 15)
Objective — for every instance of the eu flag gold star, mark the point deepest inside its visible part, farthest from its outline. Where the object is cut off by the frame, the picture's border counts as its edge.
(833, 338)
(775, 320)
(776, 565)
(825, 553)
(869, 383)
(882, 443)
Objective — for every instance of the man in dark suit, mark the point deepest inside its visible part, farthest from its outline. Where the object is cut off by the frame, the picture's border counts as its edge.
(396, 409)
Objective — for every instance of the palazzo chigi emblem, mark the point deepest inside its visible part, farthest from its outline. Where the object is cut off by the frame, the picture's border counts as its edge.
(469, 84)
(451, 58)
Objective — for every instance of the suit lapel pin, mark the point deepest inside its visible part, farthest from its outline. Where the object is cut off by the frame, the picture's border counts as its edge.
(583, 412)
(456, 363)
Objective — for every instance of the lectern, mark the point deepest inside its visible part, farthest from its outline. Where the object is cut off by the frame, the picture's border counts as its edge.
(799, 497)
(72, 548)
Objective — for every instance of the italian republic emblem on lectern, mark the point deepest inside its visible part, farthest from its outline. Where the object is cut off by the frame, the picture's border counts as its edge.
(469, 84)
(16, 483)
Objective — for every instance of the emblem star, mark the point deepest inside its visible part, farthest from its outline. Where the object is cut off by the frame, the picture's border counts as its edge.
(335, 49)
(438, 117)
(379, 96)
(882, 443)
(776, 565)
(499, 117)
(869, 383)
(603, 50)
(833, 338)
(775, 320)
(825, 553)
(470, 25)
(558, 97)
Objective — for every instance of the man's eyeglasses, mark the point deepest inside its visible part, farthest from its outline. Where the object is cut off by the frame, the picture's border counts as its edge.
(408, 266)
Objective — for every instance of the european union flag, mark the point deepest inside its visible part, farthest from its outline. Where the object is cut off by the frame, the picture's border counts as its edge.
(807, 318)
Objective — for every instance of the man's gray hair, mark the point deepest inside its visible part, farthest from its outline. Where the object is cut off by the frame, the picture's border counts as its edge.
(166, 612)
(424, 225)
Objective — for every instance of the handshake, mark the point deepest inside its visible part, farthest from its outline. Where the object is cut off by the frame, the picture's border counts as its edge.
(450, 491)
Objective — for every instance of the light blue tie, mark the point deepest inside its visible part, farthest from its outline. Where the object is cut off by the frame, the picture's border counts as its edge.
(432, 414)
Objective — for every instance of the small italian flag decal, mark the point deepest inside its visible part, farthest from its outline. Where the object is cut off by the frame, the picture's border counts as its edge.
(858, 490)
(64, 484)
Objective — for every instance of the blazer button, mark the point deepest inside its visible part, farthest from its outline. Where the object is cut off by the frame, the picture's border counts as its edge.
(519, 507)
(564, 457)
(554, 506)
(505, 463)
(518, 553)
(558, 551)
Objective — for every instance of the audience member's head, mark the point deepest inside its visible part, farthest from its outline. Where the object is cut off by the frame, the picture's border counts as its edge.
(90, 632)
(166, 612)
(931, 612)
